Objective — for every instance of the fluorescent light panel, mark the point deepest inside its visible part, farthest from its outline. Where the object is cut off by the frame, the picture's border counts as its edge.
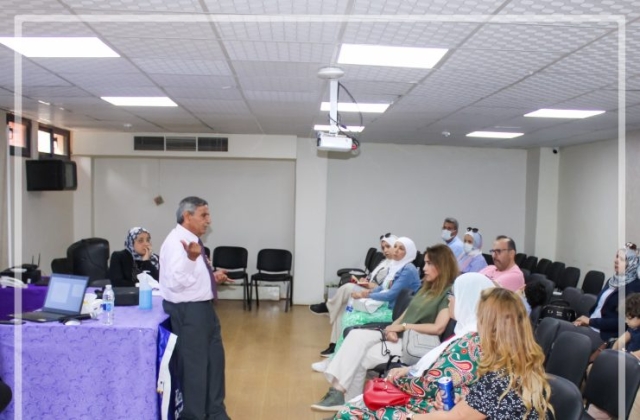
(352, 107)
(65, 47)
(563, 113)
(139, 100)
(378, 55)
(350, 128)
(494, 134)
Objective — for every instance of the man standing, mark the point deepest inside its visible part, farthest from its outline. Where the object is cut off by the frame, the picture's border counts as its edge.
(188, 286)
(504, 270)
(450, 236)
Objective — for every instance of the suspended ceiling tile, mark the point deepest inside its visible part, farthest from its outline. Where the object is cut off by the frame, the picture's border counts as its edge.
(631, 8)
(43, 92)
(89, 80)
(491, 62)
(208, 106)
(412, 34)
(194, 127)
(203, 93)
(281, 84)
(275, 7)
(135, 26)
(87, 65)
(380, 73)
(181, 6)
(250, 69)
(279, 51)
(600, 58)
(125, 91)
(193, 81)
(300, 31)
(277, 97)
(365, 87)
(438, 7)
(185, 67)
(194, 49)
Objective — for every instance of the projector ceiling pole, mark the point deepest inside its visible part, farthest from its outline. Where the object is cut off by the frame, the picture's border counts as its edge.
(333, 106)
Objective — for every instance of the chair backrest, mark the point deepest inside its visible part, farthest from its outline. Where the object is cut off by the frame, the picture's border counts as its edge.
(230, 257)
(569, 278)
(89, 257)
(419, 263)
(527, 275)
(593, 282)
(565, 399)
(587, 301)
(402, 302)
(274, 260)
(449, 329)
(534, 316)
(548, 285)
(569, 356)
(488, 258)
(545, 334)
(530, 263)
(207, 251)
(371, 252)
(602, 388)
(377, 258)
(520, 258)
(572, 295)
(554, 272)
(542, 266)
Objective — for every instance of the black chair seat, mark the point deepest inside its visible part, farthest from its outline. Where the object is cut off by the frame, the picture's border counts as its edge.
(237, 275)
(270, 277)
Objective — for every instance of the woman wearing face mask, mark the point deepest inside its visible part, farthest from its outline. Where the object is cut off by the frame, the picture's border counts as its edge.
(602, 323)
(472, 261)
(137, 257)
(337, 304)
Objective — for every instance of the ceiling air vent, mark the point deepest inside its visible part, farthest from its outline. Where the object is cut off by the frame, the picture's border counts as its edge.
(181, 144)
(148, 143)
(213, 144)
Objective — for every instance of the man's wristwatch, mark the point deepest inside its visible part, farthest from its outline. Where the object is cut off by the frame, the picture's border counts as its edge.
(404, 326)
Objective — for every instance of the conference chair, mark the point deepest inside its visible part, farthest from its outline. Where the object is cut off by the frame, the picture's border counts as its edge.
(520, 258)
(545, 333)
(572, 296)
(274, 265)
(569, 356)
(542, 266)
(234, 260)
(549, 286)
(530, 263)
(534, 315)
(419, 263)
(603, 388)
(488, 258)
(593, 282)
(587, 301)
(86, 257)
(569, 278)
(565, 399)
(359, 271)
(554, 272)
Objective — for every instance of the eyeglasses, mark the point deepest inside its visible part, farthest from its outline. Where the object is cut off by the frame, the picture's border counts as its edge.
(472, 229)
(386, 235)
(631, 245)
(497, 251)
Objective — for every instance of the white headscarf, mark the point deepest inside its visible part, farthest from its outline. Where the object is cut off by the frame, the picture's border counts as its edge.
(465, 258)
(396, 266)
(466, 290)
(391, 240)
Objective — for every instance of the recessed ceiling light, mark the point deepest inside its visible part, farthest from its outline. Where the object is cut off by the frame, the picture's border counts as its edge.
(139, 100)
(494, 134)
(352, 107)
(350, 128)
(378, 55)
(562, 113)
(44, 103)
(66, 47)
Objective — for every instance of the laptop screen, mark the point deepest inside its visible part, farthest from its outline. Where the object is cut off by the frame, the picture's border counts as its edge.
(65, 293)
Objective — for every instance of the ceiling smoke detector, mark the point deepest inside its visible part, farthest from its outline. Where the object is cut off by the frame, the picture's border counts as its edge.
(330, 73)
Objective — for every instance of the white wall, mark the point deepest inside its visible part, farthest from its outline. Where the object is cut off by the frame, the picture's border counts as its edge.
(588, 206)
(633, 187)
(531, 201)
(251, 201)
(547, 201)
(409, 190)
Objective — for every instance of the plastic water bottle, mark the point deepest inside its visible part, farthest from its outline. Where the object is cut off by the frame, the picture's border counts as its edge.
(349, 307)
(144, 293)
(108, 303)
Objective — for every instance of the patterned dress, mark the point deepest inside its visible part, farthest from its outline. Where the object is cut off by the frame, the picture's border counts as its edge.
(459, 361)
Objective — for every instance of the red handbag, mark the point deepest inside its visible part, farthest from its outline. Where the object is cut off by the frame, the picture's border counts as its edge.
(379, 393)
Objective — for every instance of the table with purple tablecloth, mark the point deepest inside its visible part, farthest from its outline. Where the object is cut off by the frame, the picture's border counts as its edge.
(86, 371)
(32, 299)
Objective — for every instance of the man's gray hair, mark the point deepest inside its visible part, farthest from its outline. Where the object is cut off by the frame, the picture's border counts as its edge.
(189, 204)
(452, 220)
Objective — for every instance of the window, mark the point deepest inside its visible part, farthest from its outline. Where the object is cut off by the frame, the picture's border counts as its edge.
(19, 135)
(53, 142)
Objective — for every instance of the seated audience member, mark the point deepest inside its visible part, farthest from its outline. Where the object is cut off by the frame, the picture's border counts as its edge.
(630, 340)
(512, 383)
(456, 357)
(534, 293)
(602, 323)
(137, 257)
(450, 236)
(402, 275)
(362, 349)
(472, 260)
(504, 271)
(5, 395)
(336, 305)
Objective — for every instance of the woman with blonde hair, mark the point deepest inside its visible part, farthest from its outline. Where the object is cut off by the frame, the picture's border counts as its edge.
(512, 382)
(363, 349)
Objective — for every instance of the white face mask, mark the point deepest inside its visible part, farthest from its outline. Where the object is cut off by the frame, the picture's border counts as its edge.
(446, 235)
(467, 248)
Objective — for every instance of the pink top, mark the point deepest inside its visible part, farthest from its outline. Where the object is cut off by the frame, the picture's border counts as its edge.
(511, 279)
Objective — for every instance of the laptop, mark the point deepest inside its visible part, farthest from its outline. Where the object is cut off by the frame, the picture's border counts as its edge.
(64, 299)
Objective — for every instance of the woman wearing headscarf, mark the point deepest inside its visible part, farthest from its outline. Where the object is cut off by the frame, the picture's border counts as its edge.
(363, 349)
(602, 323)
(137, 257)
(458, 357)
(472, 260)
(337, 304)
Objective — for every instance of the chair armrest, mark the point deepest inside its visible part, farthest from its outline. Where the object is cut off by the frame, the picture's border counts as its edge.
(355, 271)
(369, 326)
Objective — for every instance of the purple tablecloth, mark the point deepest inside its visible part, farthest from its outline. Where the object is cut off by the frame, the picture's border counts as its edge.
(32, 299)
(86, 371)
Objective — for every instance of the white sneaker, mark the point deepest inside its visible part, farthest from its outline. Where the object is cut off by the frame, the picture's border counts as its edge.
(320, 366)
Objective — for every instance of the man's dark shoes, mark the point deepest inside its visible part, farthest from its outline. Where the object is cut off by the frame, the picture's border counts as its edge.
(329, 350)
(319, 308)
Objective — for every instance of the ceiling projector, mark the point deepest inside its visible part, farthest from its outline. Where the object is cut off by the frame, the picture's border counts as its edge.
(334, 142)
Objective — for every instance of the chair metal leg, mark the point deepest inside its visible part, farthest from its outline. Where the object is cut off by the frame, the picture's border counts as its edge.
(244, 294)
(255, 282)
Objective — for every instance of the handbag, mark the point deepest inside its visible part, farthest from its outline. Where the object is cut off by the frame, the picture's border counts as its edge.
(415, 345)
(559, 309)
(379, 393)
(367, 305)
